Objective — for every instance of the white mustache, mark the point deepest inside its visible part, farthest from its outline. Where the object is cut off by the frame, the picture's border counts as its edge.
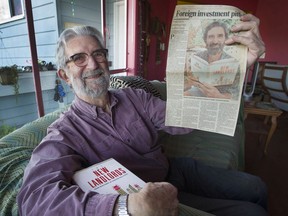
(92, 73)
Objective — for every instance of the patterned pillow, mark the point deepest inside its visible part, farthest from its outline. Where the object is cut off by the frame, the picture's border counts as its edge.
(15, 152)
(119, 82)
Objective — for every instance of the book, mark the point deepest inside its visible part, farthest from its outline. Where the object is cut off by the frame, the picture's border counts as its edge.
(108, 177)
(221, 72)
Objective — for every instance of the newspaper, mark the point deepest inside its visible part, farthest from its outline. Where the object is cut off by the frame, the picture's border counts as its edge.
(204, 76)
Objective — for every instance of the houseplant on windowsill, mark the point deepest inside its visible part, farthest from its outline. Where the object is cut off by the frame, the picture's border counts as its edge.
(9, 76)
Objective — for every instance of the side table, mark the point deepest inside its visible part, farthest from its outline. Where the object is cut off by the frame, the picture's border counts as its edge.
(270, 112)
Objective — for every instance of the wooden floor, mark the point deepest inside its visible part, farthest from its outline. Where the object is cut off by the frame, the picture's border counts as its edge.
(273, 167)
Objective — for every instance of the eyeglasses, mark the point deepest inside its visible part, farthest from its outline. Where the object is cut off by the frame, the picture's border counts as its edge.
(81, 59)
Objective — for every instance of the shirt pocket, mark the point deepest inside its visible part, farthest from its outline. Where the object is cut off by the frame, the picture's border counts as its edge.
(106, 147)
(141, 135)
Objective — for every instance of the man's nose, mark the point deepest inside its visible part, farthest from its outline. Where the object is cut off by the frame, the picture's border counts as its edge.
(215, 41)
(92, 63)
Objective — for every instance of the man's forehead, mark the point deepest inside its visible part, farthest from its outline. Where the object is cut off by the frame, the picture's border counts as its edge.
(216, 29)
(82, 44)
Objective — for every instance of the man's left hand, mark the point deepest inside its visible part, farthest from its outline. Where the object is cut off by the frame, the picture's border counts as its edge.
(249, 35)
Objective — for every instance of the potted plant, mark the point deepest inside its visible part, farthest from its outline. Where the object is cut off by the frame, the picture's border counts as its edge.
(9, 76)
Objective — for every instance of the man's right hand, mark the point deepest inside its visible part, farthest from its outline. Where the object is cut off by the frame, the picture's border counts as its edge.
(157, 199)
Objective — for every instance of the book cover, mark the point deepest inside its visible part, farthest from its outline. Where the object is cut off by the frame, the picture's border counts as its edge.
(108, 177)
(221, 72)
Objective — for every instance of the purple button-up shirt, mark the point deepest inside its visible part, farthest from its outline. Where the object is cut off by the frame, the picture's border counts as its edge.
(86, 135)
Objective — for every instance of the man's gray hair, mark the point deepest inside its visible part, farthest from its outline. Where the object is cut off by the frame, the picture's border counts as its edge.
(213, 25)
(71, 33)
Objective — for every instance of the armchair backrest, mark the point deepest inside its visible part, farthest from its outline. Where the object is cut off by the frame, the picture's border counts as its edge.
(15, 152)
(274, 79)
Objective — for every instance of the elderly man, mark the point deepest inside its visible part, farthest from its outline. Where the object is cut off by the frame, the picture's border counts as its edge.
(123, 125)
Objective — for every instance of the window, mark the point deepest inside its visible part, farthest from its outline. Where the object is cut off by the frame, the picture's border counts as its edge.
(115, 27)
(11, 10)
(109, 16)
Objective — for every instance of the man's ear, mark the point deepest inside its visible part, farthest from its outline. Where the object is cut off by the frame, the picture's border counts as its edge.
(62, 74)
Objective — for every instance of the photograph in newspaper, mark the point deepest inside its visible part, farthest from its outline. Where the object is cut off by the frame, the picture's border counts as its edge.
(204, 76)
(210, 70)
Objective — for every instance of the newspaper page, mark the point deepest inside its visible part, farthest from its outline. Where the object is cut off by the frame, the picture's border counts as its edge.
(204, 76)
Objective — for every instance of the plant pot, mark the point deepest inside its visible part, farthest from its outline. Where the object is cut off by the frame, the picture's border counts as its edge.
(6, 79)
(8, 75)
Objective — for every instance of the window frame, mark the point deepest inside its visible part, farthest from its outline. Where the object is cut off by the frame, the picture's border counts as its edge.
(124, 70)
(12, 17)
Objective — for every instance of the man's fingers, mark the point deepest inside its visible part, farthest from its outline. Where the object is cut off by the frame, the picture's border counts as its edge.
(154, 199)
(250, 17)
(249, 23)
(247, 33)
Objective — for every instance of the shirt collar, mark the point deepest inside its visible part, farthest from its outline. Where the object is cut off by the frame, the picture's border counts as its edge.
(90, 109)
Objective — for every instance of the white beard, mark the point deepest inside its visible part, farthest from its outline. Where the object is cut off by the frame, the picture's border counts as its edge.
(83, 86)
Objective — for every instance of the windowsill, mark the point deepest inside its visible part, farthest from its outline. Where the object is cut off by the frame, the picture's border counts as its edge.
(11, 19)
(26, 83)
